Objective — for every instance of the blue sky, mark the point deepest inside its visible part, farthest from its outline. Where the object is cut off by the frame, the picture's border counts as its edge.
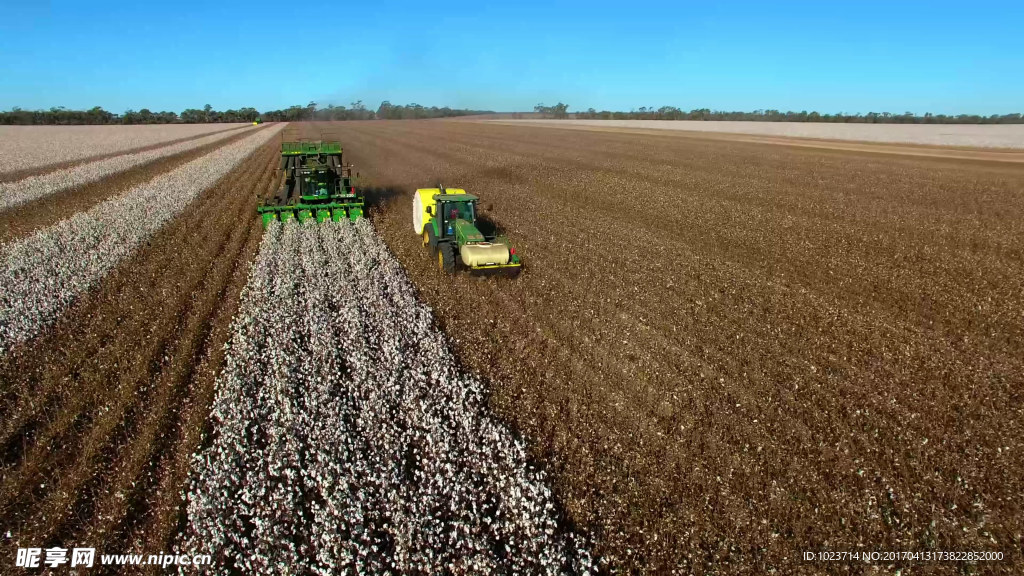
(941, 57)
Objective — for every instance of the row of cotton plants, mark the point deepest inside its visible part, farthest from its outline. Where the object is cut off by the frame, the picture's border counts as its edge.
(35, 147)
(348, 440)
(42, 274)
(35, 187)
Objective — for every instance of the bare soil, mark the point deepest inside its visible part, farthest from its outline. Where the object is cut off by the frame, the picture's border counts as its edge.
(101, 414)
(728, 353)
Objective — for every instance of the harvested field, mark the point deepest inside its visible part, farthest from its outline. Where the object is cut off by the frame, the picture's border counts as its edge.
(102, 412)
(973, 135)
(346, 438)
(27, 149)
(729, 353)
(115, 329)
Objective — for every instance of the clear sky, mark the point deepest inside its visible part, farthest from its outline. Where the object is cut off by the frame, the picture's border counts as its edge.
(938, 56)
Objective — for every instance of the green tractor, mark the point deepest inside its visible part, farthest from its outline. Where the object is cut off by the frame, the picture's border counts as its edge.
(318, 184)
(446, 220)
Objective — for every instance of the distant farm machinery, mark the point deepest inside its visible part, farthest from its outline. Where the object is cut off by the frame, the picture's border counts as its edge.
(318, 184)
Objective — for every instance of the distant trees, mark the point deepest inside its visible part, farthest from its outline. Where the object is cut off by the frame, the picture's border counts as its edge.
(388, 111)
(557, 111)
(313, 111)
(209, 115)
(358, 111)
(673, 113)
(144, 116)
(98, 115)
(58, 115)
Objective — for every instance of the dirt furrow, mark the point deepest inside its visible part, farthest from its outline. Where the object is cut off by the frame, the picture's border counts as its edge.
(126, 491)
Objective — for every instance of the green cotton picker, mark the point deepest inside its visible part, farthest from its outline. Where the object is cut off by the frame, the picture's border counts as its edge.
(317, 185)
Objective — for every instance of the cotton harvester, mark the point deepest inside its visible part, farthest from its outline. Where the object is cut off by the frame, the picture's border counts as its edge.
(317, 185)
(446, 220)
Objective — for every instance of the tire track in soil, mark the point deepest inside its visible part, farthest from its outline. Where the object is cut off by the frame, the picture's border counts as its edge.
(22, 220)
(102, 399)
(13, 176)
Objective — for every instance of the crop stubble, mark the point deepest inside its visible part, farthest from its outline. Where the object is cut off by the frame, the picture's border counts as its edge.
(730, 352)
(103, 410)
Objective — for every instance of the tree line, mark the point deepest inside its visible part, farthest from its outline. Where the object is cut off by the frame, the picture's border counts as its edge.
(388, 111)
(312, 111)
(357, 111)
(557, 111)
(97, 115)
(673, 113)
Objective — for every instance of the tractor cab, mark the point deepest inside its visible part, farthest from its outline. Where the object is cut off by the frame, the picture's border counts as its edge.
(319, 181)
(450, 209)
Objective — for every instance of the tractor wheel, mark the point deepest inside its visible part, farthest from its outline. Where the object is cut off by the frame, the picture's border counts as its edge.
(446, 258)
(429, 239)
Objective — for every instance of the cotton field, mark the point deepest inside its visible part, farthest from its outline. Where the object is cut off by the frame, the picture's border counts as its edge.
(25, 147)
(33, 187)
(347, 440)
(1009, 136)
(721, 354)
(43, 274)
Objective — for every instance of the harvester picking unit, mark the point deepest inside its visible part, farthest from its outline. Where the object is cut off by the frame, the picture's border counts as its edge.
(318, 184)
(446, 219)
